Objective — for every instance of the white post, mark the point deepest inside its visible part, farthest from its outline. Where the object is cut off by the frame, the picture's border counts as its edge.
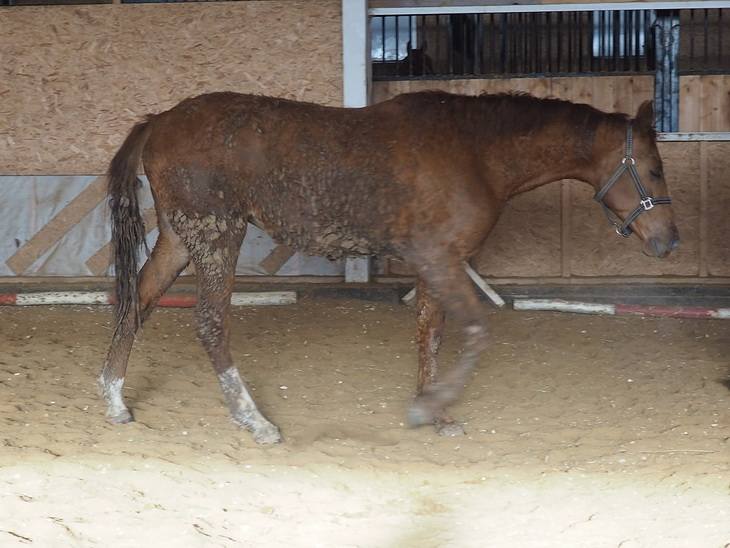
(356, 91)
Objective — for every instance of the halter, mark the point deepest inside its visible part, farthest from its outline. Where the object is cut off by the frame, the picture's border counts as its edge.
(646, 202)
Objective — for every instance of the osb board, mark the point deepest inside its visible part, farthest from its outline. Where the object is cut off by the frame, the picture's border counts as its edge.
(526, 240)
(597, 251)
(718, 208)
(609, 93)
(74, 79)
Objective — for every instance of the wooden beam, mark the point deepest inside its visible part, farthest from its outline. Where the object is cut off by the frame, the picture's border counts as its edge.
(273, 262)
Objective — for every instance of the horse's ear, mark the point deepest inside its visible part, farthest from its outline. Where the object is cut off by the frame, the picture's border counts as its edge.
(645, 115)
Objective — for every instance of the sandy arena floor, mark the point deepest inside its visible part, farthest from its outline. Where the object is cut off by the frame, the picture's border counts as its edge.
(581, 432)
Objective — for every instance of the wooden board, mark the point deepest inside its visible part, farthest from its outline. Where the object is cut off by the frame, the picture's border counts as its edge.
(73, 79)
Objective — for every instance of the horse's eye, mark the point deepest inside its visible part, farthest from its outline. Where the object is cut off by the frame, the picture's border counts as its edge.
(655, 173)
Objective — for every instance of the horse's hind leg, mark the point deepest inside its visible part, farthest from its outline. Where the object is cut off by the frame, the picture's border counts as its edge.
(169, 258)
(214, 244)
(449, 284)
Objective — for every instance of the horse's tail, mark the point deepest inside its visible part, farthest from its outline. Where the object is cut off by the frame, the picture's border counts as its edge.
(128, 232)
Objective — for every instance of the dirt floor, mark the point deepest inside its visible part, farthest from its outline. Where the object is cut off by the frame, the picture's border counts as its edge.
(581, 432)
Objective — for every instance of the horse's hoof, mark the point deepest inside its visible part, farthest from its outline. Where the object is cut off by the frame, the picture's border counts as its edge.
(419, 414)
(449, 429)
(122, 417)
(267, 435)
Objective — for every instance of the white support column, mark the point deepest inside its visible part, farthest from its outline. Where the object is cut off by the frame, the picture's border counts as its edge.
(356, 91)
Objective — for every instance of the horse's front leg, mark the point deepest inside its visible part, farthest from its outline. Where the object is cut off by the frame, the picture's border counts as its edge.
(451, 287)
(430, 322)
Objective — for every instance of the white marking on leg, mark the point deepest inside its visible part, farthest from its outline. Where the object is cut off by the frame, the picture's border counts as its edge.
(116, 410)
(244, 410)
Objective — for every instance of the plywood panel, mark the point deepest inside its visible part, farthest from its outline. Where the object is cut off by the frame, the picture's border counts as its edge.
(715, 103)
(718, 210)
(690, 106)
(704, 103)
(73, 79)
(526, 240)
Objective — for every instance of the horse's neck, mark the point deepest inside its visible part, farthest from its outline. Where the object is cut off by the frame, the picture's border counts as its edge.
(553, 153)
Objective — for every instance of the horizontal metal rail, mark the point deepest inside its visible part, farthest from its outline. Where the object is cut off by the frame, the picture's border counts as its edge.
(541, 8)
(694, 136)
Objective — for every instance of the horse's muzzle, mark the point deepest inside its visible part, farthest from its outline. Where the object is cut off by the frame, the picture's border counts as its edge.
(662, 247)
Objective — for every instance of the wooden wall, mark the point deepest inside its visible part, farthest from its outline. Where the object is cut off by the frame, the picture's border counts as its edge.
(73, 79)
(559, 232)
(704, 103)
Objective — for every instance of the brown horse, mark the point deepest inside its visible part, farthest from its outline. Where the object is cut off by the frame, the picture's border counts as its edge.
(423, 176)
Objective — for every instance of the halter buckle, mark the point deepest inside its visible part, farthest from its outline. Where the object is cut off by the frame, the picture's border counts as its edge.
(624, 233)
(647, 203)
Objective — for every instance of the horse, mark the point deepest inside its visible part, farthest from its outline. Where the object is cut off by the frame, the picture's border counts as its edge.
(423, 177)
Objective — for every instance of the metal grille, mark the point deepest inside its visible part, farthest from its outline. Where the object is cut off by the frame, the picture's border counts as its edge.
(704, 41)
(540, 44)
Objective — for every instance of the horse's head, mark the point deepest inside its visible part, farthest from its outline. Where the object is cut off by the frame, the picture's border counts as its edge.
(631, 185)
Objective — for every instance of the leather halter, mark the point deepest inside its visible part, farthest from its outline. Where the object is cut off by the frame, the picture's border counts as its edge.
(646, 202)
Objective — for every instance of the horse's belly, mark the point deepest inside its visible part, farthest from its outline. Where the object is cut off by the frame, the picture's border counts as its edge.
(330, 240)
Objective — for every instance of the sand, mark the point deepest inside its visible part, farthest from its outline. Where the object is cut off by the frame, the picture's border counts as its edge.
(580, 431)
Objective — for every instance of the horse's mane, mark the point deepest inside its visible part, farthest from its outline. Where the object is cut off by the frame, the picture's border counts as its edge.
(516, 113)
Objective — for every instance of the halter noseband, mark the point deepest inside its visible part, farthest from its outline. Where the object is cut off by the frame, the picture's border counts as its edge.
(646, 202)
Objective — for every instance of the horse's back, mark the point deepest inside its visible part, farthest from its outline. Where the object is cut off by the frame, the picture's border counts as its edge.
(318, 178)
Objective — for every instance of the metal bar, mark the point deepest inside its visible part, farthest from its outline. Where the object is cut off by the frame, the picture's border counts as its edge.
(537, 8)
(397, 41)
(602, 49)
(450, 44)
(626, 36)
(438, 43)
(523, 43)
(493, 41)
(707, 34)
(464, 49)
(511, 37)
(719, 37)
(411, 46)
(615, 23)
(549, 43)
(559, 40)
(535, 42)
(572, 24)
(694, 136)
(477, 50)
(421, 31)
(637, 39)
(666, 78)
(356, 76)
(691, 40)
(580, 42)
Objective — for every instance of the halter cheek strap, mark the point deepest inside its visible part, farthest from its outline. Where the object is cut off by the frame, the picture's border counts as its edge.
(646, 202)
